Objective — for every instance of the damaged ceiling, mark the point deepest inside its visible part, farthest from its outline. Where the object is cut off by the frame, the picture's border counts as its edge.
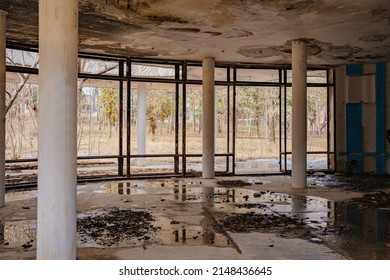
(337, 31)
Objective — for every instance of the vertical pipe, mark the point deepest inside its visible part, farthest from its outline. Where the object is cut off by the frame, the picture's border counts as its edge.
(177, 88)
(228, 120)
(128, 118)
(57, 133)
(184, 123)
(285, 118)
(280, 119)
(299, 116)
(120, 159)
(208, 136)
(141, 122)
(234, 118)
(2, 106)
(328, 115)
(334, 120)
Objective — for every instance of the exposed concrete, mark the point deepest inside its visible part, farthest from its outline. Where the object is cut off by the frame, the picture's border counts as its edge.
(2, 106)
(241, 31)
(57, 134)
(299, 116)
(267, 246)
(141, 122)
(208, 133)
(331, 120)
(340, 134)
(158, 252)
(387, 112)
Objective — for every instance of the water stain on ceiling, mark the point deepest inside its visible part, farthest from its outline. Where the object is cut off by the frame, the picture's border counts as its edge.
(344, 31)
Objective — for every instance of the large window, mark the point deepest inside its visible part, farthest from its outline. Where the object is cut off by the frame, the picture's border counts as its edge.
(143, 117)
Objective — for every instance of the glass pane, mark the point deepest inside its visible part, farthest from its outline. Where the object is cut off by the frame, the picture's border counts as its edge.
(317, 119)
(257, 75)
(153, 70)
(153, 119)
(194, 119)
(316, 76)
(22, 58)
(98, 67)
(257, 129)
(313, 76)
(221, 120)
(22, 116)
(195, 73)
(98, 118)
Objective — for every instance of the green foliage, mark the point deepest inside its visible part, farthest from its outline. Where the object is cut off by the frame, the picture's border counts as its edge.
(160, 105)
(109, 101)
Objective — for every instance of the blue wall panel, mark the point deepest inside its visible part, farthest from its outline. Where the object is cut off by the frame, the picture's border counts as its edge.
(354, 69)
(354, 137)
(380, 119)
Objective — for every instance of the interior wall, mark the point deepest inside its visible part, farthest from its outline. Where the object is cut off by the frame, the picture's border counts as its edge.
(340, 98)
(387, 114)
(362, 107)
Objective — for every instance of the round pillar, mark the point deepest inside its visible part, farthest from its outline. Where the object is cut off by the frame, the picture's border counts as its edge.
(2, 106)
(299, 114)
(141, 123)
(208, 136)
(57, 133)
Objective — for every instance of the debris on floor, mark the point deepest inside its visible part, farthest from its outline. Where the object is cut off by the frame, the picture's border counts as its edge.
(232, 183)
(375, 200)
(252, 221)
(114, 226)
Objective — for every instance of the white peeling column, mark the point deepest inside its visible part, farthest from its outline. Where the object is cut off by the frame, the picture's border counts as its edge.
(2, 107)
(208, 140)
(141, 123)
(57, 134)
(299, 116)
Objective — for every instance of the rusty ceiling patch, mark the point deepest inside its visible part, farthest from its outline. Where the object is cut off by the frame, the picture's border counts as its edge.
(125, 51)
(375, 38)
(213, 33)
(188, 30)
(378, 12)
(166, 18)
(241, 34)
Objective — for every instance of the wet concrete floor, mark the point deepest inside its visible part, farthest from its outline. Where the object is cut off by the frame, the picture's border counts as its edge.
(225, 218)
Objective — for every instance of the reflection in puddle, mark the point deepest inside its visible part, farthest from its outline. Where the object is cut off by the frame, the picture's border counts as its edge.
(365, 232)
(349, 227)
(18, 233)
(176, 233)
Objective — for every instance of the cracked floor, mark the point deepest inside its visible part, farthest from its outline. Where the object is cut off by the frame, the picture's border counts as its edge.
(225, 218)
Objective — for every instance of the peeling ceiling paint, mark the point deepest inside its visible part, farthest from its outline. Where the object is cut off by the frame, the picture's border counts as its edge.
(261, 31)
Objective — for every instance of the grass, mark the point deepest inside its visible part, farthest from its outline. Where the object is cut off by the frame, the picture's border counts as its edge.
(98, 142)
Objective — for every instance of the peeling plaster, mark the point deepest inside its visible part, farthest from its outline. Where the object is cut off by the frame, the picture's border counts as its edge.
(338, 32)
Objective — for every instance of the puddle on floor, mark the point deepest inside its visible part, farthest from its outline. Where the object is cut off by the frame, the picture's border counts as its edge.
(178, 233)
(351, 182)
(366, 231)
(354, 229)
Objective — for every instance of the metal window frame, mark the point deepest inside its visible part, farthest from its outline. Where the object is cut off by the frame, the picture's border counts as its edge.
(180, 78)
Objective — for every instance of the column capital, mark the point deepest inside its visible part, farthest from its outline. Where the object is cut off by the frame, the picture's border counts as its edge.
(208, 58)
(300, 41)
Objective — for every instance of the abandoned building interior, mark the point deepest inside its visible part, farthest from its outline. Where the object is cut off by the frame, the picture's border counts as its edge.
(198, 129)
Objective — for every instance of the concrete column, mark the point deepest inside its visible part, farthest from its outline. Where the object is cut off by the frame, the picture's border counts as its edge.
(57, 133)
(141, 123)
(208, 136)
(299, 115)
(2, 108)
